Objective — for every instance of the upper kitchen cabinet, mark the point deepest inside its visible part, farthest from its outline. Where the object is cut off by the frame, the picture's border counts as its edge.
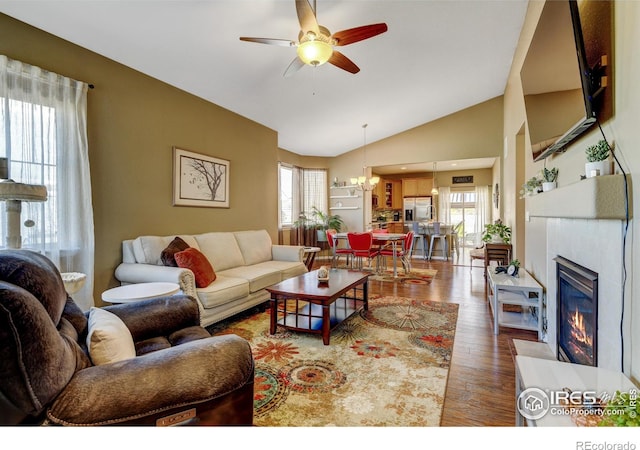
(392, 195)
(416, 187)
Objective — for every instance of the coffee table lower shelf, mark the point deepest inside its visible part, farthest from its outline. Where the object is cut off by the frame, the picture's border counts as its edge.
(309, 317)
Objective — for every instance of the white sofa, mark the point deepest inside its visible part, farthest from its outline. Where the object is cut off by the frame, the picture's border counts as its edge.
(245, 263)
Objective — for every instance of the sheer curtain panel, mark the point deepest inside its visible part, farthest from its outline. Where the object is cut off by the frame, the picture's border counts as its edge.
(444, 205)
(483, 212)
(43, 133)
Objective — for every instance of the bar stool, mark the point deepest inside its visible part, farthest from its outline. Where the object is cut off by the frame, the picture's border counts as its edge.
(420, 238)
(434, 232)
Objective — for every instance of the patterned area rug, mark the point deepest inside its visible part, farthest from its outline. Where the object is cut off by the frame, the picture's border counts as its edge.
(416, 276)
(387, 366)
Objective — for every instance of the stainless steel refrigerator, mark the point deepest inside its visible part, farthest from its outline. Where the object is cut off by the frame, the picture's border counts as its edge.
(417, 209)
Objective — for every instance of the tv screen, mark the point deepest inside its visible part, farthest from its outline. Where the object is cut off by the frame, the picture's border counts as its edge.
(557, 80)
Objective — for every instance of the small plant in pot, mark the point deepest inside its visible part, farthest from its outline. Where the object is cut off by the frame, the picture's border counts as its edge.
(598, 159)
(497, 233)
(532, 187)
(549, 177)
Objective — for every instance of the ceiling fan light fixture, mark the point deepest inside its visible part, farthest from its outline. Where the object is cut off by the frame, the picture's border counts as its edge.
(315, 52)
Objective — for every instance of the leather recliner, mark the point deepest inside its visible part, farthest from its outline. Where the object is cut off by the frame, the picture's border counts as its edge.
(181, 374)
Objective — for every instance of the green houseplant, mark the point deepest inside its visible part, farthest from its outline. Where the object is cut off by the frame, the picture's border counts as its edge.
(598, 159)
(549, 177)
(497, 232)
(531, 187)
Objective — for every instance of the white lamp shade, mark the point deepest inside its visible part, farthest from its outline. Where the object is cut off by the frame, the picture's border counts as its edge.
(315, 53)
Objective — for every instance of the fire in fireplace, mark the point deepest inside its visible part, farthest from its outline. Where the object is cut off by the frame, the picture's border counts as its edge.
(577, 324)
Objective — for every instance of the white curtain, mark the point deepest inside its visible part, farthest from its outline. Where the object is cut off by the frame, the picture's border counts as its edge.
(483, 212)
(43, 133)
(444, 205)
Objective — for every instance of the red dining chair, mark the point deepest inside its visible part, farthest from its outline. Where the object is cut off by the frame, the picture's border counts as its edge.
(402, 253)
(379, 243)
(361, 244)
(336, 251)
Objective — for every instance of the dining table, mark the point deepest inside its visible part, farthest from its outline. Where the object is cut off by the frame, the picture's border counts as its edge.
(390, 238)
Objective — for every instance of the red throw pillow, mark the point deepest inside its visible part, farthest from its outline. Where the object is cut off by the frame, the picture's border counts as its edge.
(194, 260)
(168, 254)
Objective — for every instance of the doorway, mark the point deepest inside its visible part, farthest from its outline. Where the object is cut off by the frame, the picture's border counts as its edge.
(463, 209)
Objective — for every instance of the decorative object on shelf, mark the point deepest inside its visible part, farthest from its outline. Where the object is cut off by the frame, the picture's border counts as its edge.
(363, 183)
(200, 180)
(533, 186)
(13, 194)
(513, 267)
(598, 159)
(323, 274)
(497, 233)
(550, 177)
(434, 189)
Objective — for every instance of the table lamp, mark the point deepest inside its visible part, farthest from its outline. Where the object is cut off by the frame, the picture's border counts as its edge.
(13, 194)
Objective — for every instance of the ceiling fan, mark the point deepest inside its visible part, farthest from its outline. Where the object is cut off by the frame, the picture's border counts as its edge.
(316, 44)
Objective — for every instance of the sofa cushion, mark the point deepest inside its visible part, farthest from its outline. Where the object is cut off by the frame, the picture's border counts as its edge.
(108, 339)
(195, 261)
(168, 254)
(148, 249)
(255, 246)
(258, 275)
(225, 289)
(287, 269)
(221, 249)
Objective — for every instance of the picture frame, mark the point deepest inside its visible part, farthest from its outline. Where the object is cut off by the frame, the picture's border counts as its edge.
(200, 180)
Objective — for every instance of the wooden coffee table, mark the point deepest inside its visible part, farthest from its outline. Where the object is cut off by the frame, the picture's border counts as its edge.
(304, 304)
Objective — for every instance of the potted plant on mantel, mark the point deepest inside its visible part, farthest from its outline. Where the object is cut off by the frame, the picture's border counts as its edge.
(497, 233)
(598, 159)
(550, 177)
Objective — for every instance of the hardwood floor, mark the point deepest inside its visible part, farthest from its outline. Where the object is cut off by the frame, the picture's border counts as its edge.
(481, 385)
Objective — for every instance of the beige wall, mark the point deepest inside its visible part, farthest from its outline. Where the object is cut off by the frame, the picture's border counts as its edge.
(133, 122)
(621, 129)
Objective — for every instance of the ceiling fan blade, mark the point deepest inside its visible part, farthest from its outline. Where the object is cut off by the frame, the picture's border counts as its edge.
(295, 65)
(341, 61)
(307, 17)
(280, 42)
(346, 37)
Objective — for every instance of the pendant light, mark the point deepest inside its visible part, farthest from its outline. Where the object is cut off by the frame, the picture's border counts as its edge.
(362, 182)
(434, 189)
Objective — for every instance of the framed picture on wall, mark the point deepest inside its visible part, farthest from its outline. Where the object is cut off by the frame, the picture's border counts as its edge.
(200, 180)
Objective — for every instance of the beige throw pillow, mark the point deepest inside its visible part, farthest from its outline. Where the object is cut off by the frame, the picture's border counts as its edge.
(108, 339)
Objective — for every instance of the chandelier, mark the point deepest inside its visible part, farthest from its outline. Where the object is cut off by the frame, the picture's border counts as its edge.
(362, 182)
(434, 189)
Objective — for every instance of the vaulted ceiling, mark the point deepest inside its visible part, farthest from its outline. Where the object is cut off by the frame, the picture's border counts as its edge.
(436, 58)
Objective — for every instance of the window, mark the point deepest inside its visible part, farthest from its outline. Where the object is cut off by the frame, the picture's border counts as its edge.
(463, 209)
(43, 135)
(300, 190)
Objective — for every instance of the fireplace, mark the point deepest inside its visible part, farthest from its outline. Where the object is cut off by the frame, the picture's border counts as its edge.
(577, 318)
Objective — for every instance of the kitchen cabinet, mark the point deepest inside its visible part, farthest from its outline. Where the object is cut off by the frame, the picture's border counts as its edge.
(395, 227)
(392, 194)
(416, 187)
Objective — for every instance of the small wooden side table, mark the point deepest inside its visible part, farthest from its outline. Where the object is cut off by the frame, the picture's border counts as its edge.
(310, 256)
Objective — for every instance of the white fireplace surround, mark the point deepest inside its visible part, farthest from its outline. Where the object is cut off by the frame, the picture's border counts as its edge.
(585, 224)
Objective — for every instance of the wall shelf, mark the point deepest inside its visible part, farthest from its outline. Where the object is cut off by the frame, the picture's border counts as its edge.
(601, 197)
(344, 196)
(351, 186)
(345, 207)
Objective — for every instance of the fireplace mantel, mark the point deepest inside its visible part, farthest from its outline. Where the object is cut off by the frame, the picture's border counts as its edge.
(600, 197)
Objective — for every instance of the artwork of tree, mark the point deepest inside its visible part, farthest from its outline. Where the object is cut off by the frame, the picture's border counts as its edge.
(200, 180)
(206, 177)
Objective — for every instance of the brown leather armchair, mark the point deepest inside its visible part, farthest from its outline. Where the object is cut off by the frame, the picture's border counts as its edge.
(180, 374)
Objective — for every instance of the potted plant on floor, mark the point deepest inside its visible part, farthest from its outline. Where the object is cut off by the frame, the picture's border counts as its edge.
(598, 159)
(324, 222)
(497, 233)
(550, 177)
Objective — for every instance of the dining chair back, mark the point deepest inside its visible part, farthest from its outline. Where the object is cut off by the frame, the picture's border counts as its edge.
(402, 252)
(337, 251)
(361, 245)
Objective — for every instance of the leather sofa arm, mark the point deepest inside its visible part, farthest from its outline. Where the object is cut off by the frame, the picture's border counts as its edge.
(147, 273)
(145, 388)
(149, 318)
(287, 252)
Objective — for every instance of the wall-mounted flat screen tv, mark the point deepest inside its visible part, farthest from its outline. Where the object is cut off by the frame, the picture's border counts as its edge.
(558, 84)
